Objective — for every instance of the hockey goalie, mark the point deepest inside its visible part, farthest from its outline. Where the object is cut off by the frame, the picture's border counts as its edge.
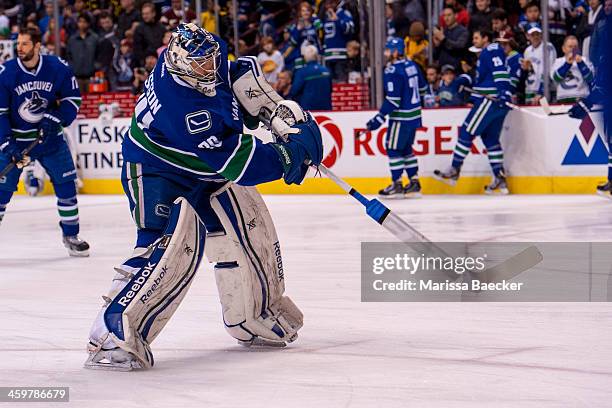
(189, 174)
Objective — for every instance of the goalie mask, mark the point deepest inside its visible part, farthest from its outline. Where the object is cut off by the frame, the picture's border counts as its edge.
(195, 56)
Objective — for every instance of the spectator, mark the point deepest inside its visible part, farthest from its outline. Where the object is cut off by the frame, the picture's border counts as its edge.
(267, 26)
(432, 76)
(270, 59)
(461, 13)
(208, 19)
(416, 44)
(107, 45)
(587, 25)
(48, 39)
(80, 8)
(142, 73)
(5, 24)
(353, 60)
(414, 11)
(598, 38)
(43, 23)
(482, 16)
(572, 73)
(176, 15)
(338, 27)
(501, 28)
(165, 42)
(397, 22)
(451, 43)
(449, 93)
(70, 23)
(557, 10)
(532, 16)
(513, 62)
(532, 65)
(312, 86)
(148, 35)
(306, 31)
(123, 75)
(129, 15)
(81, 52)
(283, 85)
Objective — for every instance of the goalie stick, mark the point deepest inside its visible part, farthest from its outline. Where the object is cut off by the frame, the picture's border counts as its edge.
(406, 233)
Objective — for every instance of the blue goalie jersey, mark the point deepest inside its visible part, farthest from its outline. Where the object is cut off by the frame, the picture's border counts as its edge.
(25, 96)
(179, 129)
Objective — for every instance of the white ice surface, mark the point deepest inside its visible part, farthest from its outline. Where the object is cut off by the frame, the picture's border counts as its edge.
(349, 354)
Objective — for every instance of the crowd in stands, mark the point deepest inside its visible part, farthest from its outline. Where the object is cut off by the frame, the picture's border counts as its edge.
(305, 46)
(574, 48)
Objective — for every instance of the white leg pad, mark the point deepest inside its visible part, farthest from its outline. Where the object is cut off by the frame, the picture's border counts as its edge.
(249, 270)
(143, 301)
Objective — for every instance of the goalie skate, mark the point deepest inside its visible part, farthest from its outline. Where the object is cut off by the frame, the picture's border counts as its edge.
(114, 359)
(259, 342)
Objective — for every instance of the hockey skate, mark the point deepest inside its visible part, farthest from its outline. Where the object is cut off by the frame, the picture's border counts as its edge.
(76, 246)
(498, 185)
(259, 342)
(413, 190)
(605, 190)
(394, 190)
(114, 359)
(449, 176)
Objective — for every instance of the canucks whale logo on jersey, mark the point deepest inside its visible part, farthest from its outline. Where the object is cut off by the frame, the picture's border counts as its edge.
(32, 109)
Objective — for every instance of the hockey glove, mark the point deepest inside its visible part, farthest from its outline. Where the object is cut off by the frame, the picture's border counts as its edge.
(303, 148)
(50, 125)
(375, 122)
(12, 150)
(580, 109)
(504, 100)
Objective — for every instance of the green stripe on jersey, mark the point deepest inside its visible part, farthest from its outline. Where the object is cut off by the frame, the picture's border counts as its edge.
(182, 160)
(240, 159)
(413, 114)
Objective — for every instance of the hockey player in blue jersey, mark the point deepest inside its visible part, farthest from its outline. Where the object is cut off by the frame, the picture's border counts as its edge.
(403, 84)
(513, 61)
(38, 96)
(486, 117)
(601, 94)
(188, 174)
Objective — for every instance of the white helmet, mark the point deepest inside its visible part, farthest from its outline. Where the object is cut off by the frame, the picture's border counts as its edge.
(195, 56)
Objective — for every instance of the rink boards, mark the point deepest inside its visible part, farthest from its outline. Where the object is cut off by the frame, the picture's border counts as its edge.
(542, 155)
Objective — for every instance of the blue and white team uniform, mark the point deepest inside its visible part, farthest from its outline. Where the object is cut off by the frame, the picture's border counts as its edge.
(486, 118)
(186, 156)
(183, 143)
(403, 84)
(33, 102)
(337, 33)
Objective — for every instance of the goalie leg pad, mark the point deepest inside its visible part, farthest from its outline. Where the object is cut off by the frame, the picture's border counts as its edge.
(249, 270)
(142, 308)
